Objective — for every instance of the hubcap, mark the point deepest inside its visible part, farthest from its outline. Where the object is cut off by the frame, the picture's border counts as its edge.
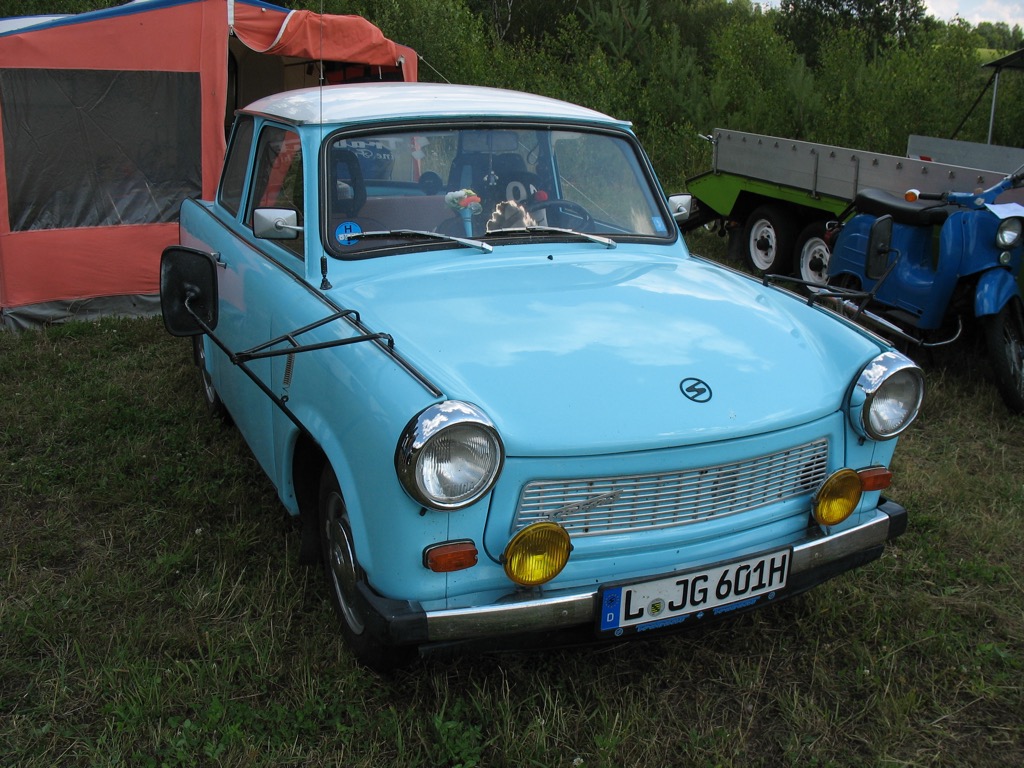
(342, 562)
(208, 390)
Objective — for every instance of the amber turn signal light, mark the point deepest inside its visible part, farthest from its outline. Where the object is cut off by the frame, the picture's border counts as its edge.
(875, 479)
(450, 556)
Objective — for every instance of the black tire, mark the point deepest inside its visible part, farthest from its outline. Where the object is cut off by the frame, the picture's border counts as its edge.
(1004, 340)
(767, 241)
(811, 254)
(344, 577)
(846, 281)
(214, 405)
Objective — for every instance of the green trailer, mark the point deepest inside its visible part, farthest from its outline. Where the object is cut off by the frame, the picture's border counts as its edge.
(774, 197)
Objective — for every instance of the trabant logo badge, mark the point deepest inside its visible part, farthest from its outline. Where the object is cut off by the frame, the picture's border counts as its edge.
(583, 506)
(696, 390)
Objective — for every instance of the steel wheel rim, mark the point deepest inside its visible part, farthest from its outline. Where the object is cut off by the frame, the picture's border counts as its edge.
(763, 259)
(341, 561)
(814, 246)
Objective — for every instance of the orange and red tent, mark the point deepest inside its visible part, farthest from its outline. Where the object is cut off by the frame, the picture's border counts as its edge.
(109, 119)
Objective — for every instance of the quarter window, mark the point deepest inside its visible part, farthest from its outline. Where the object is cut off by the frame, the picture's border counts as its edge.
(233, 178)
(277, 178)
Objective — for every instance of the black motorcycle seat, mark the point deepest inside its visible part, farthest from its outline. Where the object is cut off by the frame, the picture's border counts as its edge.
(878, 202)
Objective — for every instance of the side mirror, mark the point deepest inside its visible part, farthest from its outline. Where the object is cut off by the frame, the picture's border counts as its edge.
(879, 247)
(188, 291)
(680, 206)
(275, 223)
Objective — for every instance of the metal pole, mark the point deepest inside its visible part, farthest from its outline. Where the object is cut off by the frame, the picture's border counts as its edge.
(992, 114)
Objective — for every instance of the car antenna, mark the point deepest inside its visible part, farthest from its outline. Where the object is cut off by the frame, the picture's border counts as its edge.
(325, 284)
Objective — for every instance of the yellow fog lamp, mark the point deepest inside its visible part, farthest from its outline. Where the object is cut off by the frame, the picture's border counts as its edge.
(838, 496)
(536, 554)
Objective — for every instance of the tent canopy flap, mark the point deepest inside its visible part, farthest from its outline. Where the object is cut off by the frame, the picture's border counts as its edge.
(309, 35)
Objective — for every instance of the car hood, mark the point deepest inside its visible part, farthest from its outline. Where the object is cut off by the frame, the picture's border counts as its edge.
(582, 351)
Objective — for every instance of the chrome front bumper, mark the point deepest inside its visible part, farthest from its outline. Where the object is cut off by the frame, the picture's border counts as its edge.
(815, 560)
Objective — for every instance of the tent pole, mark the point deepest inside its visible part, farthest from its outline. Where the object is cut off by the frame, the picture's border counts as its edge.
(992, 114)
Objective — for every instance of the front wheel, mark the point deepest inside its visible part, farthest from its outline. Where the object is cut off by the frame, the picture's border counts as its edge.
(768, 237)
(1004, 339)
(812, 254)
(344, 577)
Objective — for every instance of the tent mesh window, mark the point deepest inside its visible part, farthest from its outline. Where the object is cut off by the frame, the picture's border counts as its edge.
(92, 148)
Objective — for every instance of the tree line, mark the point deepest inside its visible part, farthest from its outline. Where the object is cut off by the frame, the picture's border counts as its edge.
(859, 73)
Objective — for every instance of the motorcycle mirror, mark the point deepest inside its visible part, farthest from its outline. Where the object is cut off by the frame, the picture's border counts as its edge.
(879, 247)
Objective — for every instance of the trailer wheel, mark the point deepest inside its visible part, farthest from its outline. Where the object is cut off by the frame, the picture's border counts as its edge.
(812, 254)
(768, 237)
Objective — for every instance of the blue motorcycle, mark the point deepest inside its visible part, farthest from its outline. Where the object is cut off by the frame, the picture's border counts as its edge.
(923, 266)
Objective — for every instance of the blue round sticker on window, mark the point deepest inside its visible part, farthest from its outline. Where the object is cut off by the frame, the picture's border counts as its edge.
(345, 230)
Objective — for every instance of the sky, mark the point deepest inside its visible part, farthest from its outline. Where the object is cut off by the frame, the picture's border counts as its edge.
(974, 11)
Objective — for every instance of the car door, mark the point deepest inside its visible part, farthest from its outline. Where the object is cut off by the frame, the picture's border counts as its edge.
(260, 281)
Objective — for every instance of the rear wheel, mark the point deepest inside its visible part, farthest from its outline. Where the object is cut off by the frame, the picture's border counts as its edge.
(812, 254)
(768, 238)
(214, 404)
(1004, 339)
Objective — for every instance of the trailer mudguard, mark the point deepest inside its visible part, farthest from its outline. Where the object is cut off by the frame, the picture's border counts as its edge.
(995, 288)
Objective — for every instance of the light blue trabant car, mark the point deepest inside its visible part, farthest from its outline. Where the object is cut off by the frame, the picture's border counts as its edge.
(460, 331)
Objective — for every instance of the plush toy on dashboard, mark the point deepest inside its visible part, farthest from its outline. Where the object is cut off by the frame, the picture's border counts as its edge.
(509, 214)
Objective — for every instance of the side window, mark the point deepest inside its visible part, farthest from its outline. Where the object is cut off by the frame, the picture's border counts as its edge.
(235, 164)
(277, 178)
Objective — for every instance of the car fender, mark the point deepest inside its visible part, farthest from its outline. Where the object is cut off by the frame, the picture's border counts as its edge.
(356, 427)
(995, 288)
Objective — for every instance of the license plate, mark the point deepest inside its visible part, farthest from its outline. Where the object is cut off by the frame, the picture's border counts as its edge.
(693, 595)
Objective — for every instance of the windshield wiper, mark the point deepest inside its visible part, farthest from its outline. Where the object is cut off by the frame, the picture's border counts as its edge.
(481, 246)
(605, 241)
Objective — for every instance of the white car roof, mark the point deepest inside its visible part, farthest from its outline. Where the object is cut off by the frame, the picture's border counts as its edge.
(344, 104)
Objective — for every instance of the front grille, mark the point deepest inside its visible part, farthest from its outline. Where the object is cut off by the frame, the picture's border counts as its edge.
(606, 505)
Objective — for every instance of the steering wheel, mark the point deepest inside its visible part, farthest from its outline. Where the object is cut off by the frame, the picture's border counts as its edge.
(567, 213)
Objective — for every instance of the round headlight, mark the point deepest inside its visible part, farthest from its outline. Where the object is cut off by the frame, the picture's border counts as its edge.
(893, 387)
(449, 456)
(837, 497)
(1008, 234)
(537, 554)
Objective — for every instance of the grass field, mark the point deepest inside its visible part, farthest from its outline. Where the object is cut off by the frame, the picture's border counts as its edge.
(152, 612)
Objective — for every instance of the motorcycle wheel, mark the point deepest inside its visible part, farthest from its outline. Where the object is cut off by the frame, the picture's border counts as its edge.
(767, 240)
(812, 254)
(1004, 339)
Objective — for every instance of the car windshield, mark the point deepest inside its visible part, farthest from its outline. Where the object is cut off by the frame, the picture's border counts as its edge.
(497, 184)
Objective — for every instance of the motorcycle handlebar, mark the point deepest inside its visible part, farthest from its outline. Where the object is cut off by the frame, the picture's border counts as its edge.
(931, 195)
